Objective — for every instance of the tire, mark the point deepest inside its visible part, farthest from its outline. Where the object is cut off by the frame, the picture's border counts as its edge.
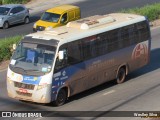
(61, 98)
(26, 20)
(121, 75)
(5, 25)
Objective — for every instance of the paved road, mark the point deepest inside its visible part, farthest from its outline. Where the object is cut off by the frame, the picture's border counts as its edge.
(139, 92)
(89, 7)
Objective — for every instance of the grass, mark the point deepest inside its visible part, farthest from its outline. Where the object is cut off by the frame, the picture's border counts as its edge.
(6, 47)
(13, 1)
(150, 11)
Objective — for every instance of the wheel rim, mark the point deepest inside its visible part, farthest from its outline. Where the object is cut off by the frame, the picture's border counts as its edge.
(61, 98)
(6, 25)
(26, 20)
(121, 76)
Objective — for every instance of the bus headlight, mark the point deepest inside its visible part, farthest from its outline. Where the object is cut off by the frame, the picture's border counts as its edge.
(42, 86)
(9, 80)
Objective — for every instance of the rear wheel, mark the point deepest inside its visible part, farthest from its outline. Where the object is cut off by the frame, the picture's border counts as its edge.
(26, 20)
(121, 76)
(61, 98)
(5, 25)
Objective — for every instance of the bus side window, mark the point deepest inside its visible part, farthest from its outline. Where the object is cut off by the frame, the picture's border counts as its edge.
(61, 63)
(74, 52)
(143, 31)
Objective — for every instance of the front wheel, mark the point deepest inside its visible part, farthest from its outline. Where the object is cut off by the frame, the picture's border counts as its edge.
(121, 75)
(61, 98)
(5, 25)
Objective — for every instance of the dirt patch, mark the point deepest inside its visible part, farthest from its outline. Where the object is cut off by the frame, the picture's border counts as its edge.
(4, 64)
(155, 23)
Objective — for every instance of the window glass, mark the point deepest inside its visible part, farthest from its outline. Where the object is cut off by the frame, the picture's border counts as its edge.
(64, 18)
(14, 11)
(89, 47)
(20, 9)
(4, 10)
(34, 57)
(50, 17)
(143, 31)
(74, 52)
(62, 63)
(125, 36)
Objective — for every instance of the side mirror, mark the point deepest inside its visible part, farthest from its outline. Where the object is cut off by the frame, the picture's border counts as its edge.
(62, 21)
(14, 46)
(61, 55)
(10, 14)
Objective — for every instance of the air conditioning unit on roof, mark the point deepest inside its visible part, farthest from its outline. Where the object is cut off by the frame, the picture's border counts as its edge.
(91, 22)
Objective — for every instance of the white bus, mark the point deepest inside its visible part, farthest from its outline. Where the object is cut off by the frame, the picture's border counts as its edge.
(50, 66)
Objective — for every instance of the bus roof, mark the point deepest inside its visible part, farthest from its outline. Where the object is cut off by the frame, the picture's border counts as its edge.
(62, 8)
(87, 27)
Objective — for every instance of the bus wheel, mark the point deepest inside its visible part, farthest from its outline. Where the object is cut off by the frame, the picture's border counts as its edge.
(121, 75)
(61, 98)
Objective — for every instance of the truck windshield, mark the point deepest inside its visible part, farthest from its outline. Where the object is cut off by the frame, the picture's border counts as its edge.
(33, 57)
(50, 17)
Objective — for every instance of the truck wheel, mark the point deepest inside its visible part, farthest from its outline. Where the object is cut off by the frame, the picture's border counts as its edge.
(121, 76)
(61, 98)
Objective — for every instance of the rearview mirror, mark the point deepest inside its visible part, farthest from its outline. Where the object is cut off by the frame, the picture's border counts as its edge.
(61, 55)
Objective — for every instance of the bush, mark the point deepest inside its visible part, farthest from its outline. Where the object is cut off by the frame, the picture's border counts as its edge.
(151, 11)
(14, 1)
(0, 2)
(6, 46)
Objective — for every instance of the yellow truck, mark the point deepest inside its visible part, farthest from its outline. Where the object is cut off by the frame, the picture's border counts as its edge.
(57, 16)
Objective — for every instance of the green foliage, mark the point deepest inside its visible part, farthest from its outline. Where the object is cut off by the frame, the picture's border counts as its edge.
(13, 1)
(151, 11)
(6, 47)
(1, 2)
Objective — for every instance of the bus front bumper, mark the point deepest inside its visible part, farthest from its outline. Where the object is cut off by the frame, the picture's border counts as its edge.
(32, 93)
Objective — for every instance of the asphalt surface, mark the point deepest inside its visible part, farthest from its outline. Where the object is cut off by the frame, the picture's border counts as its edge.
(140, 91)
(88, 8)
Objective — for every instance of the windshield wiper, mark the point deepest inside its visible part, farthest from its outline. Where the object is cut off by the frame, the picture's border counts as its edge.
(20, 68)
(32, 70)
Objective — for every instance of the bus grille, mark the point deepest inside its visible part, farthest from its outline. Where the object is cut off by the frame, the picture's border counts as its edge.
(25, 86)
(24, 94)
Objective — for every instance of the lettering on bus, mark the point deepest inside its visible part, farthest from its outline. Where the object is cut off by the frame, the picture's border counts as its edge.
(98, 64)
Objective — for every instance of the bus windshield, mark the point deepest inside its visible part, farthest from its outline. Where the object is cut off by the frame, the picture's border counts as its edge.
(33, 57)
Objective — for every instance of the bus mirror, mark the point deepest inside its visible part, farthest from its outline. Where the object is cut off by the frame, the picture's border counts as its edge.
(14, 46)
(61, 55)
